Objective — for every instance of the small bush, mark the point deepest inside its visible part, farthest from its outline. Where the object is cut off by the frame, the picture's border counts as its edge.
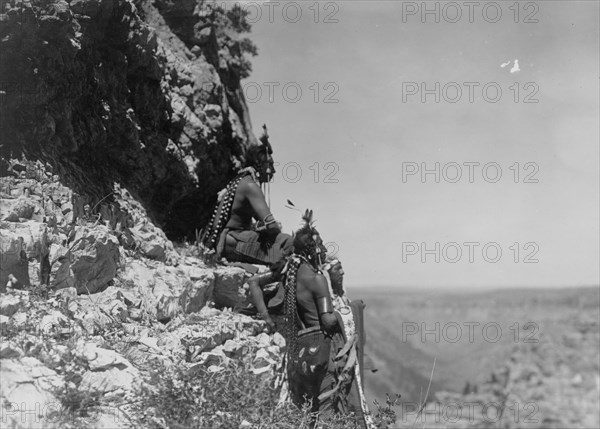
(179, 398)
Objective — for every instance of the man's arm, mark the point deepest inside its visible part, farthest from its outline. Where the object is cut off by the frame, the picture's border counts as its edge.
(260, 208)
(320, 291)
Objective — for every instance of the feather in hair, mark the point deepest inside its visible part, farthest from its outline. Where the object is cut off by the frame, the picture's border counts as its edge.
(308, 217)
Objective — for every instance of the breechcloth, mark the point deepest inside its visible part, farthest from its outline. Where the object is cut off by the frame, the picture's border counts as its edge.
(250, 247)
(327, 370)
(308, 369)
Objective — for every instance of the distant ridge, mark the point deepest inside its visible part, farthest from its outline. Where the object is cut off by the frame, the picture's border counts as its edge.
(355, 290)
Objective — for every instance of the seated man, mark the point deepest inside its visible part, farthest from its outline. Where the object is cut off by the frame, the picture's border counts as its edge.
(231, 232)
(318, 348)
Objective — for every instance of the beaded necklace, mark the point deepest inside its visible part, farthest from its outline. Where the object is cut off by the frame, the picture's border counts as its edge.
(290, 303)
(222, 212)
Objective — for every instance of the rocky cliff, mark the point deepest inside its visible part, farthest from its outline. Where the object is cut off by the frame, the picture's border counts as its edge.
(120, 121)
(139, 94)
(94, 324)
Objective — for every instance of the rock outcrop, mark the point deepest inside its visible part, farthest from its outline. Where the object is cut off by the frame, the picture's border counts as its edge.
(120, 122)
(142, 94)
(85, 314)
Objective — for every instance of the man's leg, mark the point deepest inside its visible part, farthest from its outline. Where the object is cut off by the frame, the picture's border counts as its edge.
(249, 248)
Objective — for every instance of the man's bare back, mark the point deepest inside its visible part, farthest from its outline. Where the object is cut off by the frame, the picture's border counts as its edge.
(249, 204)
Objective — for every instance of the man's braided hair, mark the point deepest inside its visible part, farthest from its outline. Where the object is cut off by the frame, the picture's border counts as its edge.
(305, 250)
(290, 306)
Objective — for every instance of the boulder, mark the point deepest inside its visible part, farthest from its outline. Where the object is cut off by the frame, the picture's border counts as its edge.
(229, 288)
(197, 293)
(53, 322)
(34, 236)
(13, 259)
(15, 209)
(10, 304)
(3, 322)
(25, 393)
(91, 261)
(10, 351)
(109, 371)
(166, 292)
(233, 348)
(150, 242)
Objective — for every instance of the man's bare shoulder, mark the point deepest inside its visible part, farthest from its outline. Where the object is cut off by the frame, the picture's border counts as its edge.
(248, 186)
(308, 272)
(310, 277)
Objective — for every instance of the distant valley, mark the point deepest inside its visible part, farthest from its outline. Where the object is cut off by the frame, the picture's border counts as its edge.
(491, 341)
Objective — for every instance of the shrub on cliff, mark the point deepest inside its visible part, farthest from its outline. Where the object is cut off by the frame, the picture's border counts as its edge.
(230, 26)
(179, 398)
(233, 397)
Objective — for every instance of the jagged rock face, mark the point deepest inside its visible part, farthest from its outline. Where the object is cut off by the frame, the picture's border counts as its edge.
(91, 261)
(109, 91)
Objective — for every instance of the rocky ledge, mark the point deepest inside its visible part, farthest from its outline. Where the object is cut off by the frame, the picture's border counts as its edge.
(90, 309)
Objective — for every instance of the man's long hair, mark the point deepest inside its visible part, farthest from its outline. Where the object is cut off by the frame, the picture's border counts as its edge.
(306, 246)
(305, 239)
(255, 152)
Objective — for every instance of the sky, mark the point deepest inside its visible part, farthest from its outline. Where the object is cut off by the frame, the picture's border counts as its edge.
(387, 92)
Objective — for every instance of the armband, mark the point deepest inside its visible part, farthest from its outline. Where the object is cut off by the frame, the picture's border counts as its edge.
(324, 304)
(262, 225)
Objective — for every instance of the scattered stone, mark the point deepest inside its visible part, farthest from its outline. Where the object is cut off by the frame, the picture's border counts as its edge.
(3, 322)
(263, 340)
(25, 393)
(52, 322)
(14, 259)
(278, 340)
(263, 358)
(215, 368)
(10, 351)
(109, 371)
(10, 304)
(151, 244)
(19, 208)
(91, 261)
(66, 293)
(136, 314)
(232, 349)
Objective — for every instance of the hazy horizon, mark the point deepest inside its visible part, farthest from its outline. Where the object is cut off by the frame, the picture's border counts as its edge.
(351, 288)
